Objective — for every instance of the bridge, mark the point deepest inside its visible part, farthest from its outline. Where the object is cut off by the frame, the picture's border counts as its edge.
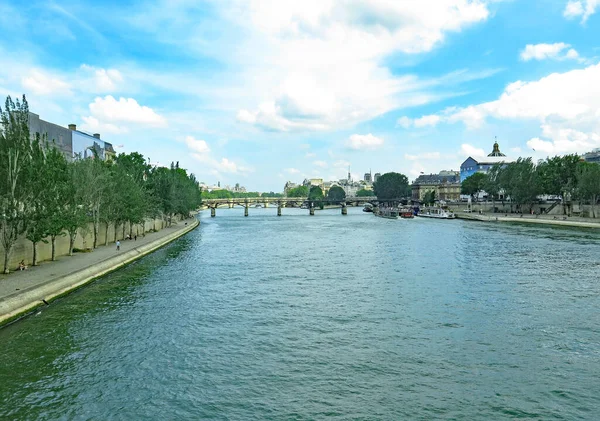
(282, 202)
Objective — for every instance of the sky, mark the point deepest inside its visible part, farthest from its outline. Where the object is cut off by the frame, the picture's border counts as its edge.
(259, 92)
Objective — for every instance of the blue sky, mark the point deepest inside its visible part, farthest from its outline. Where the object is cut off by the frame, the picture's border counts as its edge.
(259, 92)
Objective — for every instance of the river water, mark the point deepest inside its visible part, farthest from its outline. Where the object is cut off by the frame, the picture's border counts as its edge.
(330, 316)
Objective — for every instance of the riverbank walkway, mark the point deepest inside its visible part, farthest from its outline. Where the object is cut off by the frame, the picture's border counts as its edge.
(569, 221)
(23, 291)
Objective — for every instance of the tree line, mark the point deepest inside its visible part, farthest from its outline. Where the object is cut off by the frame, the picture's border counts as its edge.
(44, 195)
(226, 194)
(522, 181)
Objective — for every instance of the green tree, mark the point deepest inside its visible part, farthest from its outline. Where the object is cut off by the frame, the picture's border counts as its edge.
(300, 191)
(336, 194)
(75, 213)
(473, 184)
(558, 176)
(315, 194)
(429, 197)
(15, 156)
(391, 186)
(521, 182)
(56, 170)
(588, 183)
(364, 193)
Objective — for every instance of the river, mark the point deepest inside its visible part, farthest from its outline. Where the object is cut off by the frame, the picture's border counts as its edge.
(329, 316)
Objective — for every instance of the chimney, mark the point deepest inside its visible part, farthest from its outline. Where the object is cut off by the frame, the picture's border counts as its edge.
(72, 127)
(97, 135)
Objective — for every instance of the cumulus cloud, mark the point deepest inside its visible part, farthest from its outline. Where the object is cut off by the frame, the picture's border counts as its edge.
(292, 171)
(92, 124)
(39, 82)
(472, 151)
(548, 51)
(404, 122)
(358, 141)
(103, 80)
(320, 164)
(583, 8)
(124, 111)
(196, 145)
(323, 59)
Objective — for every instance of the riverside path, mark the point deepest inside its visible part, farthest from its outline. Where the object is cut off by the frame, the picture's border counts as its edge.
(23, 291)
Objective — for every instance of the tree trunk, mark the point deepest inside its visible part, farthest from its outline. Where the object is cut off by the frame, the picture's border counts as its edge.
(72, 242)
(116, 231)
(130, 230)
(106, 235)
(594, 199)
(6, 254)
(96, 228)
(123, 230)
(53, 238)
(34, 260)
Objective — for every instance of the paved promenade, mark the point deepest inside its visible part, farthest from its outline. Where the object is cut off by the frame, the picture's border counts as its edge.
(571, 221)
(22, 291)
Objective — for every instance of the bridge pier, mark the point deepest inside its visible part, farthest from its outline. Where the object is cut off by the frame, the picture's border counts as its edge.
(279, 210)
(375, 210)
(266, 204)
(213, 212)
(344, 210)
(311, 211)
(246, 210)
(230, 205)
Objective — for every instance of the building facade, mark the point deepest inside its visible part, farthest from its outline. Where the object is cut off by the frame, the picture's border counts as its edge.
(593, 156)
(55, 134)
(446, 186)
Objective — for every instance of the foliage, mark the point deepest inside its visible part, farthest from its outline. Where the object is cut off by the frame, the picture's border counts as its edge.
(391, 186)
(315, 193)
(588, 182)
(336, 193)
(271, 194)
(364, 193)
(474, 184)
(429, 197)
(300, 191)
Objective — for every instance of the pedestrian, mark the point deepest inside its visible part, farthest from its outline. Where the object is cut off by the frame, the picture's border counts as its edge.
(135, 237)
(118, 245)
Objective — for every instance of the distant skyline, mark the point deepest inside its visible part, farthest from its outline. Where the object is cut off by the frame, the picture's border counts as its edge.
(259, 92)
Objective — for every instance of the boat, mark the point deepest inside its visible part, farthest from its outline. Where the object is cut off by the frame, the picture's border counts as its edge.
(438, 213)
(258, 205)
(368, 208)
(407, 213)
(389, 213)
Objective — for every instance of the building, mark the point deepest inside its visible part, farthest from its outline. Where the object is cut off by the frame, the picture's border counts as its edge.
(289, 186)
(470, 166)
(376, 177)
(368, 177)
(593, 156)
(58, 135)
(446, 185)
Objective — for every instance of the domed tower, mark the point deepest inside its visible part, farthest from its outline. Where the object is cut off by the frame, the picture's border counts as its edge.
(496, 151)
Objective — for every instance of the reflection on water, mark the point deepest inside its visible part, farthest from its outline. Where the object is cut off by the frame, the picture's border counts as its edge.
(304, 317)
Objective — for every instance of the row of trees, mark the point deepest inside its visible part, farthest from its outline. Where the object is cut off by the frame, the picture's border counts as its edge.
(226, 194)
(43, 195)
(523, 181)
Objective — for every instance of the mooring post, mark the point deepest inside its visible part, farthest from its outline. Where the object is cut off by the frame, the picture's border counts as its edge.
(311, 211)
(344, 209)
(246, 210)
(213, 212)
(279, 210)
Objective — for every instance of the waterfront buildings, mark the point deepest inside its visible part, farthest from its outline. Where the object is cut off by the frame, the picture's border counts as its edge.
(446, 186)
(71, 142)
(471, 165)
(593, 156)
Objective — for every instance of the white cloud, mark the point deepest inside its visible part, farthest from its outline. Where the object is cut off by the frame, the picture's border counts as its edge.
(358, 141)
(198, 146)
(93, 125)
(472, 151)
(125, 110)
(39, 82)
(427, 120)
(292, 171)
(575, 8)
(548, 51)
(404, 122)
(323, 59)
(310, 155)
(426, 155)
(320, 164)
(515, 150)
(104, 80)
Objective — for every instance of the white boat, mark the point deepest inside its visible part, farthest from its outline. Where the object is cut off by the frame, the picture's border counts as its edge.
(389, 213)
(438, 213)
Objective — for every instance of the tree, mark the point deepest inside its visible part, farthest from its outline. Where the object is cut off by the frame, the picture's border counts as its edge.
(588, 183)
(56, 170)
(391, 186)
(558, 176)
(15, 155)
(336, 194)
(364, 193)
(315, 194)
(300, 191)
(520, 181)
(429, 197)
(473, 184)
(492, 184)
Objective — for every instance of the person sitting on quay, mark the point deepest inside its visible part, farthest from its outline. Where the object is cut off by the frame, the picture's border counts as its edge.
(22, 265)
